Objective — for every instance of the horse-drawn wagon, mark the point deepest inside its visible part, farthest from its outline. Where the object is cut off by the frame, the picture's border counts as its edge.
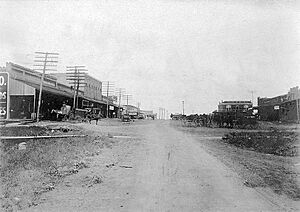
(229, 119)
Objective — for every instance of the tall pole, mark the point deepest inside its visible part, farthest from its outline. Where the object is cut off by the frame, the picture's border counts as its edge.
(182, 107)
(107, 99)
(41, 88)
(119, 103)
(127, 101)
(75, 84)
(159, 113)
(76, 77)
(126, 104)
(297, 108)
(45, 60)
(252, 96)
(138, 106)
(77, 90)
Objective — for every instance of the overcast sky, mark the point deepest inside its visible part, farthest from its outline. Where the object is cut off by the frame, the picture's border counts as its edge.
(164, 52)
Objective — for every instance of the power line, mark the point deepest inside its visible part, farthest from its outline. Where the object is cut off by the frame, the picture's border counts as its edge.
(120, 93)
(108, 86)
(128, 96)
(252, 92)
(48, 59)
(76, 77)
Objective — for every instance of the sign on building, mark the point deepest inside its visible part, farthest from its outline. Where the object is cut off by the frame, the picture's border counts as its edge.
(111, 107)
(3, 94)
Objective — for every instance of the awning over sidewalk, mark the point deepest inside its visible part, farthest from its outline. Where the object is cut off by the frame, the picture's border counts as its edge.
(48, 88)
(67, 92)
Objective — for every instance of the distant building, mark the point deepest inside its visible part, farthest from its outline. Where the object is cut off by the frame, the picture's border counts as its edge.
(280, 108)
(131, 110)
(147, 114)
(294, 93)
(269, 107)
(92, 88)
(234, 106)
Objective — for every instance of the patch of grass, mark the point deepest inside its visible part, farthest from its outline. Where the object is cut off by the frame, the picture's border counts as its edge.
(248, 158)
(26, 174)
(23, 131)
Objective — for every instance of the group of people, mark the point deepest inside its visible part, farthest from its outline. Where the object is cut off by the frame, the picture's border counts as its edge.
(63, 113)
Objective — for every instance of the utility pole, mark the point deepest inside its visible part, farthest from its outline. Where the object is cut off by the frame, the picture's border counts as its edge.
(182, 107)
(252, 96)
(108, 92)
(107, 109)
(297, 109)
(127, 99)
(76, 77)
(120, 99)
(45, 60)
(138, 106)
(120, 96)
(159, 113)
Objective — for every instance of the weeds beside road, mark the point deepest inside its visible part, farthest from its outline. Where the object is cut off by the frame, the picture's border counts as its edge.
(263, 158)
(27, 173)
(113, 166)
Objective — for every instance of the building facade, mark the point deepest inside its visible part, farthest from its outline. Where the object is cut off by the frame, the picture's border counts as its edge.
(92, 88)
(234, 106)
(280, 108)
(24, 85)
(131, 110)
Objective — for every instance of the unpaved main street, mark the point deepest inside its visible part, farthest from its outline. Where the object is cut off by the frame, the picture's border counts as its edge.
(155, 167)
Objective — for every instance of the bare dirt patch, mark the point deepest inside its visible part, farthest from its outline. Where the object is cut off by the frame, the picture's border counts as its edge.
(267, 159)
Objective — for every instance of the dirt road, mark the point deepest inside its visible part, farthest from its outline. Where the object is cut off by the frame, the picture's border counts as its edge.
(158, 168)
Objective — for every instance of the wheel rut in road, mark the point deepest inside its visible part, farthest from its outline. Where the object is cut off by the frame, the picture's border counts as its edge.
(178, 175)
(169, 171)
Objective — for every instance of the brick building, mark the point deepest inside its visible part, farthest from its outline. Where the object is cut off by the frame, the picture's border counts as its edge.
(280, 108)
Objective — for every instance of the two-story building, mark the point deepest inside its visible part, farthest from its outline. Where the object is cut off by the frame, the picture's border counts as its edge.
(24, 86)
(234, 106)
(280, 108)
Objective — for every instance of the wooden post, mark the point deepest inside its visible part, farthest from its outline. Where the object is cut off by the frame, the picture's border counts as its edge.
(41, 89)
(107, 109)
